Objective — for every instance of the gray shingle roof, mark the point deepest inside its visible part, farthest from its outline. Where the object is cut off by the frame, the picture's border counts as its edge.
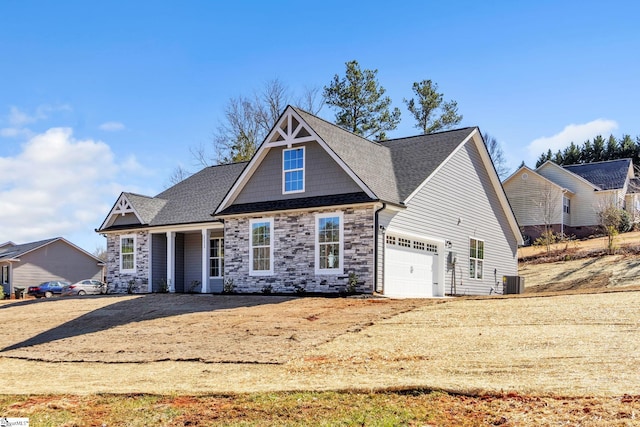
(299, 203)
(370, 161)
(415, 158)
(607, 175)
(192, 200)
(14, 251)
(392, 169)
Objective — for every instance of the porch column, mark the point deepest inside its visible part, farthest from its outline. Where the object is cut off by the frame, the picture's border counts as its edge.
(150, 273)
(205, 262)
(171, 260)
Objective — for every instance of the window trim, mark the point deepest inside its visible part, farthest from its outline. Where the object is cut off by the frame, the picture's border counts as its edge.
(134, 254)
(253, 272)
(285, 171)
(4, 275)
(220, 256)
(476, 259)
(566, 205)
(329, 271)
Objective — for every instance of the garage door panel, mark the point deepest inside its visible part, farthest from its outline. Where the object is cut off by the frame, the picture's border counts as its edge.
(410, 267)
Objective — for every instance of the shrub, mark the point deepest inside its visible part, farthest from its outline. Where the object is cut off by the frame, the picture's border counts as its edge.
(267, 289)
(626, 223)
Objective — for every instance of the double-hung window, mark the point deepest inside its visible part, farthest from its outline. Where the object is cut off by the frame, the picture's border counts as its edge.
(128, 254)
(476, 258)
(293, 170)
(216, 257)
(329, 243)
(566, 205)
(261, 247)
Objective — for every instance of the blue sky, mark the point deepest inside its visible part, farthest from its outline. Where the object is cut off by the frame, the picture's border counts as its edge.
(102, 97)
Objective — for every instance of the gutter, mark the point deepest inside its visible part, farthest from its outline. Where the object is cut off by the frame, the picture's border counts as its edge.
(376, 228)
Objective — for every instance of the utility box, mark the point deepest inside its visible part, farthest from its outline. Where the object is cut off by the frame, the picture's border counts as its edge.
(512, 284)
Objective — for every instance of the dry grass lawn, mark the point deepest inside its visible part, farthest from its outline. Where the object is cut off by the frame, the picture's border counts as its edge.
(567, 345)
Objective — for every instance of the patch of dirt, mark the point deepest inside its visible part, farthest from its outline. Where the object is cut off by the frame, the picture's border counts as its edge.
(582, 266)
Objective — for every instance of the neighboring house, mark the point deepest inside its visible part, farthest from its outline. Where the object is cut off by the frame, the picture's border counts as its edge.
(29, 264)
(568, 198)
(316, 205)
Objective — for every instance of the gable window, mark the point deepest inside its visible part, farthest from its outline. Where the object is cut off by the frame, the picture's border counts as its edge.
(476, 258)
(566, 205)
(261, 247)
(216, 257)
(128, 254)
(329, 243)
(293, 170)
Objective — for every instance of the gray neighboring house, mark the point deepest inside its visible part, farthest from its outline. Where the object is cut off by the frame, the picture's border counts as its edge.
(30, 264)
(409, 217)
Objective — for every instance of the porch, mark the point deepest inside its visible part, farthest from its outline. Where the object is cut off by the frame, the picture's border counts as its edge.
(187, 261)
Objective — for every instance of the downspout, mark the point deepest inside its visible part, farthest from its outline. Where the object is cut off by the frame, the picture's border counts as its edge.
(562, 214)
(376, 229)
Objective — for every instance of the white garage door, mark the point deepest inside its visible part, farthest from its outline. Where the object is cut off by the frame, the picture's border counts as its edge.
(410, 267)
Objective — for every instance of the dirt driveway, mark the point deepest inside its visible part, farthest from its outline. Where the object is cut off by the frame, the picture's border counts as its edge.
(565, 345)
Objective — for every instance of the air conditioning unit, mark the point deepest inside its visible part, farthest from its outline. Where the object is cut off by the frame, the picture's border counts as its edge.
(513, 284)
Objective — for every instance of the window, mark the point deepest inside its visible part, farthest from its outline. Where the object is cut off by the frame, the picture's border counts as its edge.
(4, 279)
(261, 247)
(128, 254)
(293, 170)
(216, 257)
(329, 243)
(476, 258)
(566, 205)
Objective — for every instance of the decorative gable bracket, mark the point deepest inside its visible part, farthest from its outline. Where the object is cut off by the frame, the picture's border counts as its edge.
(289, 131)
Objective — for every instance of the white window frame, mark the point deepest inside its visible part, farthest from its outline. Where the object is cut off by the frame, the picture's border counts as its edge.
(566, 205)
(475, 260)
(331, 271)
(220, 257)
(134, 254)
(268, 272)
(4, 275)
(285, 171)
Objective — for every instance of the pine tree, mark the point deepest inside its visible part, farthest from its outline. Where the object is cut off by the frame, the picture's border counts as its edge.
(430, 110)
(361, 106)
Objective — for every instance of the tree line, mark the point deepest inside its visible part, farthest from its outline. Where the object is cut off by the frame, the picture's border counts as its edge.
(595, 150)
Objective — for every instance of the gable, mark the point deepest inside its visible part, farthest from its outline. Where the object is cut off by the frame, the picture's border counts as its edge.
(322, 177)
(122, 213)
(325, 173)
(531, 195)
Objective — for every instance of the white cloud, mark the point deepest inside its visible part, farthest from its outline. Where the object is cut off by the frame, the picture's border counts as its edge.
(111, 126)
(57, 186)
(577, 133)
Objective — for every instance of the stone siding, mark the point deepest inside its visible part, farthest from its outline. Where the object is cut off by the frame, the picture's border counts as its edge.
(294, 253)
(119, 282)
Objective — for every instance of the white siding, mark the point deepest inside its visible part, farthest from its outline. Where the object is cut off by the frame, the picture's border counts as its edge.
(458, 203)
(584, 202)
(530, 195)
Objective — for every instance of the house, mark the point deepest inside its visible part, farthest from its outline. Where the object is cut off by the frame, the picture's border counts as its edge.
(318, 207)
(568, 198)
(32, 263)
